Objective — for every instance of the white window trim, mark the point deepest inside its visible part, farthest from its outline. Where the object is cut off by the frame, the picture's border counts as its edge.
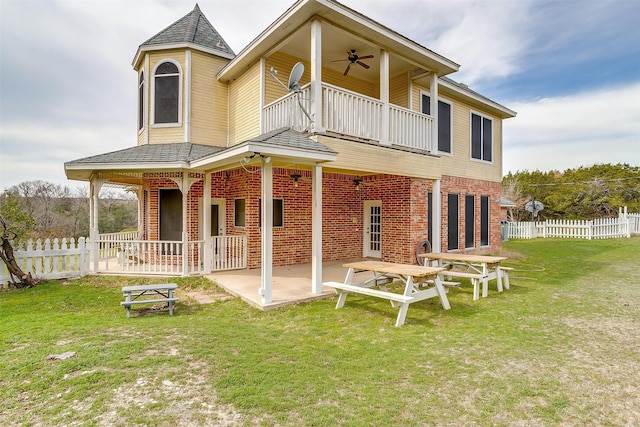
(482, 116)
(427, 93)
(143, 125)
(153, 94)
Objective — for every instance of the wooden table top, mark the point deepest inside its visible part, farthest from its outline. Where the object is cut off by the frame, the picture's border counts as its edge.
(394, 268)
(452, 256)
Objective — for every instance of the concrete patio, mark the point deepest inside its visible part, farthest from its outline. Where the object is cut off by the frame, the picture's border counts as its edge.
(291, 284)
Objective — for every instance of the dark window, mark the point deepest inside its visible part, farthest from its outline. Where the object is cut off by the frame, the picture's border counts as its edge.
(484, 221)
(170, 220)
(444, 122)
(167, 93)
(452, 221)
(481, 137)
(278, 212)
(469, 220)
(141, 102)
(239, 220)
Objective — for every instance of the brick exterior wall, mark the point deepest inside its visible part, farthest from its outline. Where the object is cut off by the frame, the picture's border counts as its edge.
(404, 220)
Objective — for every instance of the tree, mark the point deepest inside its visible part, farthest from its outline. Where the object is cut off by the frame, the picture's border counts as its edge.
(15, 225)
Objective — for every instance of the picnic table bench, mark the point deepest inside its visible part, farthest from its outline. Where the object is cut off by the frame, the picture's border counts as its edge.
(413, 276)
(156, 293)
(479, 269)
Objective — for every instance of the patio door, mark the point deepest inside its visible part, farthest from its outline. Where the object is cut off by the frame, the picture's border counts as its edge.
(372, 230)
(170, 227)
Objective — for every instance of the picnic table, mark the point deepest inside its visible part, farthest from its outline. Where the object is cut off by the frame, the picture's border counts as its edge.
(477, 268)
(153, 294)
(413, 276)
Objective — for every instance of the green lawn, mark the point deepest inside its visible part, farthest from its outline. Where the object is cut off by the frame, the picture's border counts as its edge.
(561, 347)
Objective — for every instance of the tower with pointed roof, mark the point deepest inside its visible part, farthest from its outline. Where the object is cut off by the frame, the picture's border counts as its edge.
(179, 97)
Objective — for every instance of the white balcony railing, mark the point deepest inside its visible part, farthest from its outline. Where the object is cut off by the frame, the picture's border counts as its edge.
(352, 114)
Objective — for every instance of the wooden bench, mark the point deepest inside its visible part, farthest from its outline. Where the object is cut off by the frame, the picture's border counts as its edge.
(505, 275)
(391, 296)
(157, 293)
(475, 278)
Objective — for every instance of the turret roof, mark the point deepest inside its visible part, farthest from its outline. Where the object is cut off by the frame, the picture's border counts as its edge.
(193, 28)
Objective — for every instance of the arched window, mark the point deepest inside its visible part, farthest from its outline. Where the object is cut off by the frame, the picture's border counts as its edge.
(167, 93)
(141, 101)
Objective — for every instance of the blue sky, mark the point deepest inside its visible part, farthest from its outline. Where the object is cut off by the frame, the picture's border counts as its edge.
(570, 68)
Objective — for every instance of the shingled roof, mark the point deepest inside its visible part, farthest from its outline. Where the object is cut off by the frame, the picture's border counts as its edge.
(152, 153)
(191, 28)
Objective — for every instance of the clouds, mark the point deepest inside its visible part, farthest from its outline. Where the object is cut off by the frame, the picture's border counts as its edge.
(599, 126)
(569, 68)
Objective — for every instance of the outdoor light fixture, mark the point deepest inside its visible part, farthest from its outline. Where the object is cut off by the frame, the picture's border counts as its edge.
(295, 177)
(358, 183)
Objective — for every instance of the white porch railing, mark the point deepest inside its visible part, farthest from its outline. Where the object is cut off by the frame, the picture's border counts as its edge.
(50, 259)
(228, 252)
(111, 250)
(285, 112)
(352, 114)
(166, 257)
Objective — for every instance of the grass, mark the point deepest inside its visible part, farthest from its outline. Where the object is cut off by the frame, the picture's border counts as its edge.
(559, 348)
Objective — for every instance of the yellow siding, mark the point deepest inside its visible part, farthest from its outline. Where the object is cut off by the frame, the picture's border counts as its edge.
(208, 101)
(282, 63)
(366, 158)
(399, 91)
(165, 135)
(244, 110)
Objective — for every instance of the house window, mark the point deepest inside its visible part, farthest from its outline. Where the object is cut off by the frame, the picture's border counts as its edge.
(444, 122)
(481, 137)
(469, 220)
(278, 212)
(239, 213)
(166, 93)
(484, 220)
(452, 221)
(141, 101)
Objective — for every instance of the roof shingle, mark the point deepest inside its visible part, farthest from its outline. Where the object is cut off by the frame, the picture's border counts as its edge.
(191, 28)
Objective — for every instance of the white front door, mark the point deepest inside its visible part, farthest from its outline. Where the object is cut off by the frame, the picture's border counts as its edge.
(372, 231)
(218, 227)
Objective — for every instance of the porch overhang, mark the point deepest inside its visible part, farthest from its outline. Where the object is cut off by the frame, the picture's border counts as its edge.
(340, 16)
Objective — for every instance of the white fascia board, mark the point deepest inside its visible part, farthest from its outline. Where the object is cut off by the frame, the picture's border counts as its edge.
(266, 149)
(508, 113)
(143, 49)
(125, 166)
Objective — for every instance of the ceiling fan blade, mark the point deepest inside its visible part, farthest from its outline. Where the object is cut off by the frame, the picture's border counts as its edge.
(366, 57)
(347, 70)
(362, 64)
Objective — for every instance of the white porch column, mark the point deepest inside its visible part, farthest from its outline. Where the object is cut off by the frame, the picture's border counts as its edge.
(433, 82)
(140, 196)
(266, 270)
(436, 215)
(316, 76)
(94, 188)
(316, 230)
(206, 217)
(184, 188)
(384, 96)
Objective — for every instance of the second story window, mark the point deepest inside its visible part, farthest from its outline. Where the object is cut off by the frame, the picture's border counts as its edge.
(444, 122)
(166, 94)
(141, 102)
(481, 137)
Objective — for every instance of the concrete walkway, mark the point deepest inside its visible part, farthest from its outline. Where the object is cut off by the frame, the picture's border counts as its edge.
(291, 284)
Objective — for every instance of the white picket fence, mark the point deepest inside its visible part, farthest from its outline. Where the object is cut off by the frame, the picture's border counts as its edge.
(605, 228)
(50, 259)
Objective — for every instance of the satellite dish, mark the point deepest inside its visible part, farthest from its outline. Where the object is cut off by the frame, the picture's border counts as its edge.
(294, 78)
(296, 74)
(534, 206)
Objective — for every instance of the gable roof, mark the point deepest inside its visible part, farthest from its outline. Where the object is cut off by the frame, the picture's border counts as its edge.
(193, 30)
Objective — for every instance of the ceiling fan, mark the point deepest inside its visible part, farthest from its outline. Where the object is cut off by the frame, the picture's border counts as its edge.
(353, 58)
